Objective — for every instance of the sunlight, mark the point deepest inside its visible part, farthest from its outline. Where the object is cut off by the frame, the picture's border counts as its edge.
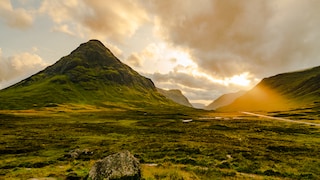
(241, 79)
(161, 57)
(183, 58)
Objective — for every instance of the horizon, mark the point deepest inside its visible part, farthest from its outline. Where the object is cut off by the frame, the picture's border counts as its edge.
(205, 50)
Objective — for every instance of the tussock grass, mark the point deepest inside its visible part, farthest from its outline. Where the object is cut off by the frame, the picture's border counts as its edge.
(34, 144)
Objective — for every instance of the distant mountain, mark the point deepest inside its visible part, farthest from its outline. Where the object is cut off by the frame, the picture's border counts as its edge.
(300, 89)
(91, 74)
(224, 100)
(176, 96)
(198, 105)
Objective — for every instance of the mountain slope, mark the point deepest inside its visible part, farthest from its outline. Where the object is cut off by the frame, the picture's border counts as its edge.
(91, 74)
(224, 100)
(280, 92)
(176, 96)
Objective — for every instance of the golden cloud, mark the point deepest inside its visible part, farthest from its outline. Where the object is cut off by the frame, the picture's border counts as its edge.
(230, 36)
(115, 20)
(19, 66)
(15, 18)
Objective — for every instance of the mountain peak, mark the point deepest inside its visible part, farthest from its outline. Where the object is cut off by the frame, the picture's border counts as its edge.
(94, 53)
(93, 61)
(95, 41)
(90, 55)
(89, 74)
(93, 45)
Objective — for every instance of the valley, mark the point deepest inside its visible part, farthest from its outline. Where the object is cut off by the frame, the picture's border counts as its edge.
(35, 143)
(58, 122)
(159, 90)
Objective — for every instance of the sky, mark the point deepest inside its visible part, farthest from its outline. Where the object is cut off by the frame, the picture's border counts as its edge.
(205, 48)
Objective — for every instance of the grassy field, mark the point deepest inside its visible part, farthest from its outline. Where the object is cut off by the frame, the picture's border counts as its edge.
(36, 144)
(310, 113)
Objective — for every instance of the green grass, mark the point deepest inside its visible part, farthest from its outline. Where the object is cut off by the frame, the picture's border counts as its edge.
(34, 144)
(59, 90)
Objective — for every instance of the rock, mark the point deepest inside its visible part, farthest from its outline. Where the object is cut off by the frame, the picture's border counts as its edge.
(119, 166)
(76, 153)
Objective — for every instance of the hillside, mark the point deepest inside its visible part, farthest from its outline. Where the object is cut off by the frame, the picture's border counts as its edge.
(224, 100)
(175, 95)
(300, 89)
(91, 74)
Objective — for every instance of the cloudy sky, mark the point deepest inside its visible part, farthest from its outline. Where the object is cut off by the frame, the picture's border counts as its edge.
(203, 47)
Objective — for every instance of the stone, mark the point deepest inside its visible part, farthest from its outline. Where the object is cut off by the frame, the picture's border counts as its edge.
(77, 153)
(119, 166)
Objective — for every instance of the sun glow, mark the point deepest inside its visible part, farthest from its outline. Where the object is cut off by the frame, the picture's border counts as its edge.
(241, 79)
(162, 58)
(183, 59)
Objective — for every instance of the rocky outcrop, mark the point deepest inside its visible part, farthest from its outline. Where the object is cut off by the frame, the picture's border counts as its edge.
(119, 166)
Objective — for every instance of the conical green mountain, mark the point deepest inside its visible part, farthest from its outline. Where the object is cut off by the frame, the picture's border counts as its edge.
(292, 90)
(91, 74)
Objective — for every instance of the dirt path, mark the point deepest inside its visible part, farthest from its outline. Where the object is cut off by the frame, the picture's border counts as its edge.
(280, 119)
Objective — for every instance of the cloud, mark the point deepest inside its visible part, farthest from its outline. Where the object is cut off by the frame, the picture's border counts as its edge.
(159, 57)
(115, 20)
(230, 36)
(193, 88)
(19, 66)
(64, 28)
(16, 18)
(134, 60)
(172, 68)
(199, 86)
(114, 49)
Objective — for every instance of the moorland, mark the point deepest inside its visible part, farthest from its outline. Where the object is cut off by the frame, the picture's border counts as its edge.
(90, 102)
(34, 143)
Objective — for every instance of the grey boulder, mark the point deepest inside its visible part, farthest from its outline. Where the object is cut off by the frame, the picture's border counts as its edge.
(119, 166)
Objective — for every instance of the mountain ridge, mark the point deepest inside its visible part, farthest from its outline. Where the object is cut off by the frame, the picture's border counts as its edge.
(281, 92)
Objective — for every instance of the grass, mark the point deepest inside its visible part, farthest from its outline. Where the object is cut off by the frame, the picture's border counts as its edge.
(34, 143)
(310, 113)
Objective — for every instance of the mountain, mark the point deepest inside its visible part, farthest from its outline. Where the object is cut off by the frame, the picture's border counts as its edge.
(198, 105)
(176, 96)
(300, 89)
(90, 74)
(224, 100)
